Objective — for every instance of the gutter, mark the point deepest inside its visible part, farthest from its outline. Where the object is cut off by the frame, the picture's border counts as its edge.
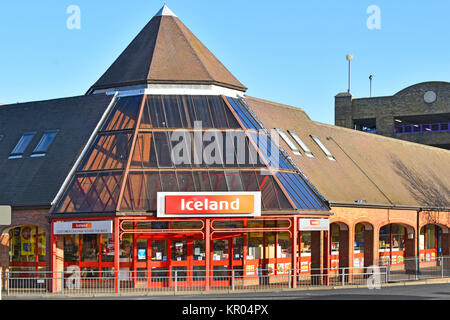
(386, 206)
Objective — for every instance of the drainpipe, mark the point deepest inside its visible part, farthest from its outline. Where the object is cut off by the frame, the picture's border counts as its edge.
(418, 241)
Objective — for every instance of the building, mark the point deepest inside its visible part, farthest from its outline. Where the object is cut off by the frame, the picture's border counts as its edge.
(419, 113)
(131, 180)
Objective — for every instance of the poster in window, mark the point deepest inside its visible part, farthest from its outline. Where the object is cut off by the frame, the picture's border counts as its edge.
(42, 243)
(26, 239)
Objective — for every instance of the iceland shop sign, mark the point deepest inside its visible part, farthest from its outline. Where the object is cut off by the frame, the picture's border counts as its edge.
(209, 204)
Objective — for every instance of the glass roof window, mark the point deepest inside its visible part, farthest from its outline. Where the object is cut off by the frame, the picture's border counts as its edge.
(322, 146)
(20, 147)
(44, 143)
(301, 144)
(288, 142)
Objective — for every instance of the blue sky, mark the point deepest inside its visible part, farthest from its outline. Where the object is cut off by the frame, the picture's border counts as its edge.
(291, 52)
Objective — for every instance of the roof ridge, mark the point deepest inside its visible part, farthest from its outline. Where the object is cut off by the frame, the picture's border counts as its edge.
(278, 104)
(404, 142)
(154, 47)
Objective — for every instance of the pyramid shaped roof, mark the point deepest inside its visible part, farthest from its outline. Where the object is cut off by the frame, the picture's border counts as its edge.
(166, 52)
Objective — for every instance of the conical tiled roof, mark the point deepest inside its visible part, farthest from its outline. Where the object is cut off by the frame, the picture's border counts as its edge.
(166, 52)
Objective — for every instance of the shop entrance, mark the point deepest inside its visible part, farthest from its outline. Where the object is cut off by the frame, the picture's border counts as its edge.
(161, 262)
(164, 261)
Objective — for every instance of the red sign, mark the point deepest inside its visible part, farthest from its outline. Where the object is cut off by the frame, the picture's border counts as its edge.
(83, 225)
(204, 203)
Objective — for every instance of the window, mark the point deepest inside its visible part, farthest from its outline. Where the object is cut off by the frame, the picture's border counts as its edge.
(322, 146)
(21, 145)
(44, 143)
(301, 144)
(289, 142)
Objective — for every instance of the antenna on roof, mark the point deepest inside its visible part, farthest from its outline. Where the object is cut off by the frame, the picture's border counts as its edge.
(349, 58)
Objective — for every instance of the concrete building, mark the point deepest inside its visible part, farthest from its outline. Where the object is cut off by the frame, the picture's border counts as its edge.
(419, 113)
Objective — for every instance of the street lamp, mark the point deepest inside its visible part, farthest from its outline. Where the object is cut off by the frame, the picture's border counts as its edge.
(370, 79)
(349, 58)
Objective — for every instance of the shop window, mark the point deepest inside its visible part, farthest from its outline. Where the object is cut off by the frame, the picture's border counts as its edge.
(159, 250)
(199, 252)
(398, 237)
(179, 250)
(107, 247)
(89, 248)
(238, 248)
(141, 246)
(254, 245)
(384, 239)
(126, 248)
(359, 238)
(284, 249)
(159, 274)
(225, 224)
(305, 244)
(334, 238)
(27, 244)
(71, 244)
(397, 232)
(220, 250)
(270, 245)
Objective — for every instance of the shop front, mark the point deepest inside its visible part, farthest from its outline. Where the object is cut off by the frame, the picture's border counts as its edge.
(195, 249)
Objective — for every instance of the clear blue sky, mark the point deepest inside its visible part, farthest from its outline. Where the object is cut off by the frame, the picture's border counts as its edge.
(291, 52)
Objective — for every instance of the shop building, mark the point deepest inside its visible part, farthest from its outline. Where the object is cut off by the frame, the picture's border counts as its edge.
(131, 180)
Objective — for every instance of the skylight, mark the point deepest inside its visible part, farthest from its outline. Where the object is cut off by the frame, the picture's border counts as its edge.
(289, 142)
(21, 145)
(44, 143)
(322, 146)
(301, 144)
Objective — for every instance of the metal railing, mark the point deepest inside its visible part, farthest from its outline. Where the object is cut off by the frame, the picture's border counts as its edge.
(414, 268)
(58, 284)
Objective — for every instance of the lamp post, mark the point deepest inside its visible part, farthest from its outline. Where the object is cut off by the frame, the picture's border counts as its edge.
(349, 58)
(370, 79)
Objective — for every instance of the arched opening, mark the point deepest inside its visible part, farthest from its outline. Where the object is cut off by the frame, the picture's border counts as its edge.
(430, 243)
(27, 249)
(396, 242)
(363, 245)
(339, 246)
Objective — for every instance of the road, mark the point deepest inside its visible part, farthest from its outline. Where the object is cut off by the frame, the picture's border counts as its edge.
(408, 292)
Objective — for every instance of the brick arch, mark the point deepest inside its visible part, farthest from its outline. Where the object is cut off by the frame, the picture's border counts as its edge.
(410, 244)
(395, 221)
(443, 227)
(342, 223)
(365, 223)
